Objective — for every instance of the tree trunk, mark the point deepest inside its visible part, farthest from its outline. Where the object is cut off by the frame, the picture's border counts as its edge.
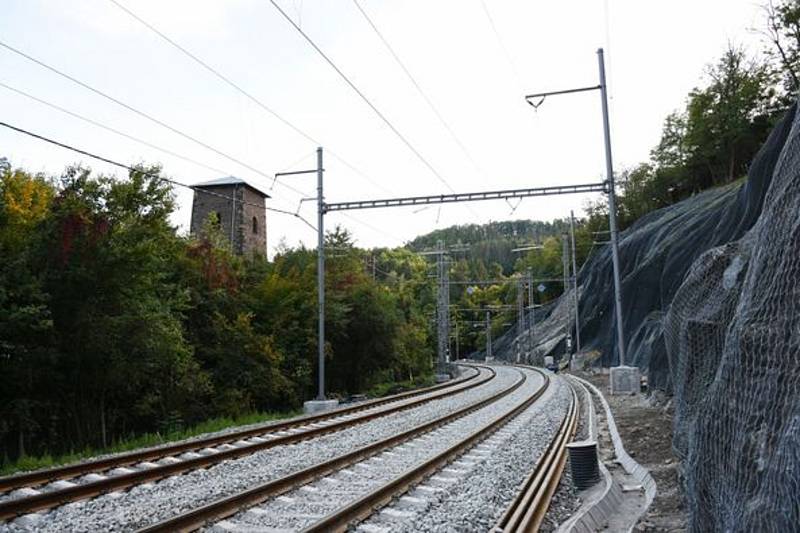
(103, 419)
(21, 444)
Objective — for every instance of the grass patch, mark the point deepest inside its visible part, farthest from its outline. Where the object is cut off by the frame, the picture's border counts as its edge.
(141, 441)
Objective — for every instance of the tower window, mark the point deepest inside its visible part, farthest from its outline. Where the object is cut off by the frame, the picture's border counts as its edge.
(255, 225)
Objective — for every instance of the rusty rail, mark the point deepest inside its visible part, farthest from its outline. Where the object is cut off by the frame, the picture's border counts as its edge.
(46, 500)
(230, 505)
(527, 510)
(365, 506)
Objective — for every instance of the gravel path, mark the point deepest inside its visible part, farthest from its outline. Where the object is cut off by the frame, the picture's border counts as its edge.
(490, 476)
(301, 508)
(148, 503)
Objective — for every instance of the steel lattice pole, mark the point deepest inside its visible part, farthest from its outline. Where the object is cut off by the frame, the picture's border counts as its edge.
(575, 283)
(565, 266)
(520, 316)
(531, 313)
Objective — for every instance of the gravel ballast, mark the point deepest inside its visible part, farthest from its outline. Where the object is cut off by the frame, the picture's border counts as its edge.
(149, 503)
(492, 475)
(466, 372)
(301, 508)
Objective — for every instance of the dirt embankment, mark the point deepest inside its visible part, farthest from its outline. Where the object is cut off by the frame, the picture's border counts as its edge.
(646, 431)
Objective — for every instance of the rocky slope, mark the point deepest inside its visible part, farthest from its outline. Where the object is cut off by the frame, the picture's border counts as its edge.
(711, 292)
(656, 253)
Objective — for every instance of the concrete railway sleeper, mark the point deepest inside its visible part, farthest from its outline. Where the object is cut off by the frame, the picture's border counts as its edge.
(277, 489)
(347, 516)
(200, 453)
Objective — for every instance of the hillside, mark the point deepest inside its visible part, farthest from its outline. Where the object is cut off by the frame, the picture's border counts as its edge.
(492, 243)
(709, 292)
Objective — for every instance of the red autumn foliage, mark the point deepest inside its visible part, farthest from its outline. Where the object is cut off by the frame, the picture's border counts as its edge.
(216, 271)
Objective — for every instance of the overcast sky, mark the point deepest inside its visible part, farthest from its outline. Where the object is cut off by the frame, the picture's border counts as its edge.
(475, 76)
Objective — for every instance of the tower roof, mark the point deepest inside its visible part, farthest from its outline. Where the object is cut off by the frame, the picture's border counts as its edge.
(231, 180)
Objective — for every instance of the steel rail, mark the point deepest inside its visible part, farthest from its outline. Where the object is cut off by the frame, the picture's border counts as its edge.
(46, 500)
(230, 505)
(32, 479)
(527, 510)
(365, 506)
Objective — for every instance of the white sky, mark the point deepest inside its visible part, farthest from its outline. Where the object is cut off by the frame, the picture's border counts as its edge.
(656, 52)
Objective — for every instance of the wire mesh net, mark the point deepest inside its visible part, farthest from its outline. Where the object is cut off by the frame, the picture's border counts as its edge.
(733, 341)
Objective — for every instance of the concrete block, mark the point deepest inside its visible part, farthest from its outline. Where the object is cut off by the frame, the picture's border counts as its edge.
(410, 502)
(28, 521)
(318, 406)
(624, 380)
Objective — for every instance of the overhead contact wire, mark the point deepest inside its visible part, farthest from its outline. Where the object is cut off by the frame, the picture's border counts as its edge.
(144, 172)
(420, 90)
(240, 90)
(364, 98)
(140, 113)
(109, 128)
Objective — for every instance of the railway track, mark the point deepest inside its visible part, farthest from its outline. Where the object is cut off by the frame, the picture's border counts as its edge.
(94, 478)
(360, 477)
(528, 509)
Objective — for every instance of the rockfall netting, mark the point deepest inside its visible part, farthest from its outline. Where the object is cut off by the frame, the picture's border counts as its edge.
(504, 347)
(656, 253)
(733, 339)
(711, 296)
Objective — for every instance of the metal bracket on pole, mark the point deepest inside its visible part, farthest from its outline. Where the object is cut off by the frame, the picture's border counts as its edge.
(610, 191)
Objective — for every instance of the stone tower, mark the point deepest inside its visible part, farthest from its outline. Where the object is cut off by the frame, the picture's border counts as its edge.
(240, 211)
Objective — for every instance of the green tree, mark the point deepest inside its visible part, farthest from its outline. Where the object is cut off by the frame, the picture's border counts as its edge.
(727, 121)
(26, 326)
(782, 32)
(108, 261)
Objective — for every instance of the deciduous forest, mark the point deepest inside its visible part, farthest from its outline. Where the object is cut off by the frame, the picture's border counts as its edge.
(114, 325)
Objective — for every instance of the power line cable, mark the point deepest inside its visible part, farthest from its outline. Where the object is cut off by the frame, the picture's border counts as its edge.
(241, 90)
(118, 132)
(420, 90)
(144, 172)
(212, 70)
(259, 103)
(167, 126)
(109, 128)
(169, 152)
(141, 113)
(500, 41)
(364, 98)
(263, 106)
